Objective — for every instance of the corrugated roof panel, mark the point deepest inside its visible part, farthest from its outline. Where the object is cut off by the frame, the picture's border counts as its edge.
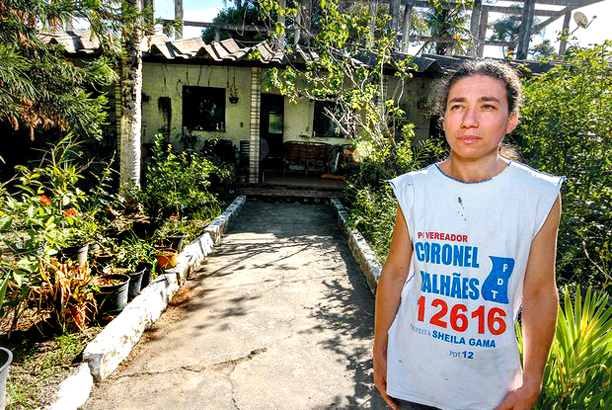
(189, 46)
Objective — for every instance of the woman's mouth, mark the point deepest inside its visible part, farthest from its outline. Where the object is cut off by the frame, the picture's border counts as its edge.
(469, 139)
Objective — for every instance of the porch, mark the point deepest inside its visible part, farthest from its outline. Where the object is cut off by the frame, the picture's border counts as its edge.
(294, 184)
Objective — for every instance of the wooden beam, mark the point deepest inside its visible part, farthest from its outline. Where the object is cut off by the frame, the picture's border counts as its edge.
(563, 44)
(474, 23)
(526, 29)
(566, 3)
(482, 32)
(406, 27)
(394, 9)
(518, 10)
(178, 15)
(372, 22)
(280, 37)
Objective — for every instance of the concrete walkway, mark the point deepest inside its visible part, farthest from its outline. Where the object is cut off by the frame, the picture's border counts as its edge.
(279, 318)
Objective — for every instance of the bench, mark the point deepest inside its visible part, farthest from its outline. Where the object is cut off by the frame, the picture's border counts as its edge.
(316, 155)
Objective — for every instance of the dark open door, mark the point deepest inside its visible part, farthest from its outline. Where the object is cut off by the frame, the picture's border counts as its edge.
(271, 130)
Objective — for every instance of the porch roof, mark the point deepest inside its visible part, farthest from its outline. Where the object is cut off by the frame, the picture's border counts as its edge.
(194, 50)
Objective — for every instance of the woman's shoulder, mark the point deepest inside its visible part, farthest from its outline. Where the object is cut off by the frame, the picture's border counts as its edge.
(415, 175)
(532, 175)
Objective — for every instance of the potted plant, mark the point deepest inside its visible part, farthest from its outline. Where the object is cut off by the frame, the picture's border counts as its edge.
(112, 291)
(6, 357)
(135, 255)
(174, 232)
(76, 239)
(69, 290)
(166, 257)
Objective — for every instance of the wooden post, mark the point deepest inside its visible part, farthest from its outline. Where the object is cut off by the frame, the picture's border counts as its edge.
(525, 33)
(280, 37)
(307, 20)
(406, 26)
(298, 24)
(372, 23)
(565, 32)
(474, 27)
(394, 10)
(482, 32)
(255, 117)
(178, 15)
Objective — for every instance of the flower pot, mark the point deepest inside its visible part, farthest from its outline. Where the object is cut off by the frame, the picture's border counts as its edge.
(146, 276)
(167, 258)
(135, 278)
(6, 357)
(77, 253)
(113, 294)
(177, 242)
(135, 282)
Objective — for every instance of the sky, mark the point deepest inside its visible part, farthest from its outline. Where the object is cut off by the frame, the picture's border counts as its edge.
(598, 31)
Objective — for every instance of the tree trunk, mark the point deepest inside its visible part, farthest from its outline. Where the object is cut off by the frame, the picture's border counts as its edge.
(131, 89)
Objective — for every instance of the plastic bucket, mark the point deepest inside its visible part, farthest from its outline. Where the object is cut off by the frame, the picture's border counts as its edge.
(135, 282)
(113, 297)
(146, 276)
(6, 357)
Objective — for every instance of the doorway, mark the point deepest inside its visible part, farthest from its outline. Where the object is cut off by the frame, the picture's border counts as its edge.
(271, 125)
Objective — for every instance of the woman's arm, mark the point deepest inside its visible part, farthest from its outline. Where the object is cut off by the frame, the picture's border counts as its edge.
(390, 284)
(539, 313)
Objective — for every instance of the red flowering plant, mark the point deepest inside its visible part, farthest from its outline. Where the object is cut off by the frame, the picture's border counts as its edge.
(39, 214)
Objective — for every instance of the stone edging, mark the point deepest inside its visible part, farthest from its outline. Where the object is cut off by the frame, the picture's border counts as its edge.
(103, 354)
(363, 254)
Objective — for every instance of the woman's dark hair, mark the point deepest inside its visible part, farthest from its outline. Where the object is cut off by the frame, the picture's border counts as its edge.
(490, 68)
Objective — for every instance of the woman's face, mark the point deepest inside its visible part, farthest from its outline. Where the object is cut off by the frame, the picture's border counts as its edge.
(476, 116)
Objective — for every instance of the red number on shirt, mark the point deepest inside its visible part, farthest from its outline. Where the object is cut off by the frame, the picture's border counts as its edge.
(499, 321)
(456, 317)
(459, 321)
(435, 319)
(480, 314)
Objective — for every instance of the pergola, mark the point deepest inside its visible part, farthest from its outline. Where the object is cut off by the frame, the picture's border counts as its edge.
(401, 14)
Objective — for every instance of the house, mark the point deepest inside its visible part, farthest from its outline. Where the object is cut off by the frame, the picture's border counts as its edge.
(215, 91)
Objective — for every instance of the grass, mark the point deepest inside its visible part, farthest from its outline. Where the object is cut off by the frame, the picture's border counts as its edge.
(40, 364)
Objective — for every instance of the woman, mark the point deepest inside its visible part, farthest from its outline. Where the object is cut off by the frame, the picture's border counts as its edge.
(474, 242)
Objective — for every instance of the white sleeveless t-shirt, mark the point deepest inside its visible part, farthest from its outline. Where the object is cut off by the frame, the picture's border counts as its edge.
(452, 344)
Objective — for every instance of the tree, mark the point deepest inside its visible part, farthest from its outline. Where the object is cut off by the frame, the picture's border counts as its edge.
(446, 23)
(39, 88)
(131, 95)
(565, 130)
(508, 28)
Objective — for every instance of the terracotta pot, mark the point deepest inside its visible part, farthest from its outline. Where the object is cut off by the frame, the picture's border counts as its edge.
(167, 258)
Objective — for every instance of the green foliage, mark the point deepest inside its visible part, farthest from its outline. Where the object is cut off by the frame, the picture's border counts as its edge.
(43, 211)
(38, 86)
(177, 183)
(447, 23)
(579, 370)
(248, 14)
(565, 130)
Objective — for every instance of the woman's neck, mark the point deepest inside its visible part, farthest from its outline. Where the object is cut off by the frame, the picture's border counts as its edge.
(473, 170)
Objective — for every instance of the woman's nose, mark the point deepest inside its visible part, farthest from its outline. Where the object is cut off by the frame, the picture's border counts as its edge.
(470, 119)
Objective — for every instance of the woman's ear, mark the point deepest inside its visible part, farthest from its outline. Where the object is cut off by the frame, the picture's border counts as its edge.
(512, 122)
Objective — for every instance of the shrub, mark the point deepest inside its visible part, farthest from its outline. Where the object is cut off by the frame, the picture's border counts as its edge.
(565, 130)
(579, 369)
(177, 183)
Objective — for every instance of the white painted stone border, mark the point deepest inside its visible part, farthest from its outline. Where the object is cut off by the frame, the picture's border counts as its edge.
(363, 254)
(102, 356)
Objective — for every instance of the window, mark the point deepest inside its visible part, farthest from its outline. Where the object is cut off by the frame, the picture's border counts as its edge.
(324, 126)
(204, 108)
